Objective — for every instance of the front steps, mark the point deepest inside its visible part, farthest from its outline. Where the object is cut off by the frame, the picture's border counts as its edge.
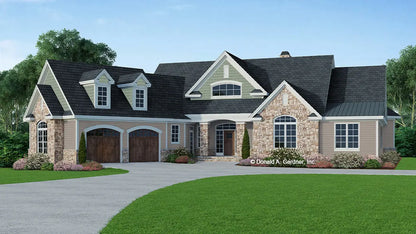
(219, 158)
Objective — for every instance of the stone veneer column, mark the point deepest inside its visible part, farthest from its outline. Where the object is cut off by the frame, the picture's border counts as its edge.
(204, 139)
(239, 131)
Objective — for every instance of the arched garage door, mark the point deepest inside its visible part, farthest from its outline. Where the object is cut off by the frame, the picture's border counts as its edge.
(103, 145)
(143, 146)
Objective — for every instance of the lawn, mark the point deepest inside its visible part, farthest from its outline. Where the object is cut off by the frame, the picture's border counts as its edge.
(275, 203)
(10, 176)
(407, 164)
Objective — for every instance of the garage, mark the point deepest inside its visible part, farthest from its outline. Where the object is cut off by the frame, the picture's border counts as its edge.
(143, 146)
(103, 145)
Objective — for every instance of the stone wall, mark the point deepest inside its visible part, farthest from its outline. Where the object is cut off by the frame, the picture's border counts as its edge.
(263, 131)
(70, 155)
(204, 139)
(55, 132)
(239, 132)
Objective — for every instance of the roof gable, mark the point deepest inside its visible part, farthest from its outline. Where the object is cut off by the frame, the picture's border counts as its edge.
(135, 79)
(224, 57)
(96, 76)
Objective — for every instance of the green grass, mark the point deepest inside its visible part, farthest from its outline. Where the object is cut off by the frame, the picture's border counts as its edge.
(275, 204)
(407, 164)
(10, 176)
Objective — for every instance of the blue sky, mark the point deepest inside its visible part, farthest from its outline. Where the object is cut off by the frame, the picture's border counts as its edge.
(146, 33)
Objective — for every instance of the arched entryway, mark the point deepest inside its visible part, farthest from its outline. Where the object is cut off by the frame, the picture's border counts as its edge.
(144, 145)
(103, 145)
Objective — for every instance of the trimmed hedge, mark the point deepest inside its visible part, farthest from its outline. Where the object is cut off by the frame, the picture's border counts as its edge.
(82, 151)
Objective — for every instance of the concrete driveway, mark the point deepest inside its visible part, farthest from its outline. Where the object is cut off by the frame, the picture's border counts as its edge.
(85, 205)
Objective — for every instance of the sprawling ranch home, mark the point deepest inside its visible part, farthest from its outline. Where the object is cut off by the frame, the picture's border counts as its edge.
(128, 115)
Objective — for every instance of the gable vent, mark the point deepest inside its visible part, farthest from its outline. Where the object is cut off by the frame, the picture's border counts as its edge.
(285, 54)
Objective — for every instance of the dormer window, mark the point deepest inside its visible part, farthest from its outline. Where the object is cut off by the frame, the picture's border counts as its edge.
(230, 89)
(97, 84)
(134, 87)
(141, 98)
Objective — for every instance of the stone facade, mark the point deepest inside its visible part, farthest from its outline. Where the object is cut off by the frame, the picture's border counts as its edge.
(263, 132)
(239, 132)
(70, 155)
(55, 132)
(125, 155)
(204, 150)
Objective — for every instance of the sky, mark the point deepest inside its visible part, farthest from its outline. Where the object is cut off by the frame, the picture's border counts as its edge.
(146, 33)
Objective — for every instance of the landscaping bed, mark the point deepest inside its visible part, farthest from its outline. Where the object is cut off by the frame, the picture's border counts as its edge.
(275, 204)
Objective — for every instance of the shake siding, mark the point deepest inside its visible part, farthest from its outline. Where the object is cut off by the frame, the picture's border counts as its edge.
(69, 134)
(218, 75)
(50, 80)
(103, 79)
(367, 136)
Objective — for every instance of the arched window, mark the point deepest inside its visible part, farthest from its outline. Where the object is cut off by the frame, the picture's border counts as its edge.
(42, 130)
(226, 90)
(285, 132)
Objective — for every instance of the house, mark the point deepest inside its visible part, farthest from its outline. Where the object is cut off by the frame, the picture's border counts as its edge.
(128, 115)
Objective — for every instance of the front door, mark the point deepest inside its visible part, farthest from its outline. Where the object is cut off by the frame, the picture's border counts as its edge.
(228, 143)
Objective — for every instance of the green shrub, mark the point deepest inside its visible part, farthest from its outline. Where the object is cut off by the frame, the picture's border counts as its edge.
(181, 151)
(245, 149)
(12, 147)
(406, 141)
(372, 164)
(347, 160)
(47, 167)
(284, 157)
(35, 161)
(171, 158)
(82, 151)
(391, 156)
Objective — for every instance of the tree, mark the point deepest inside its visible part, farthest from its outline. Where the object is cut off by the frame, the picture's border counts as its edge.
(17, 84)
(401, 85)
(245, 150)
(82, 151)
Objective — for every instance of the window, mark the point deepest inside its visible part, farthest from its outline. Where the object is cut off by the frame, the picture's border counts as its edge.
(102, 96)
(285, 132)
(219, 136)
(346, 136)
(226, 90)
(42, 129)
(226, 71)
(174, 134)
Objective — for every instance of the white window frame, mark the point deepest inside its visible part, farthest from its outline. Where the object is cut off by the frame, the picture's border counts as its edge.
(226, 71)
(171, 134)
(108, 105)
(42, 150)
(285, 131)
(227, 82)
(144, 101)
(346, 137)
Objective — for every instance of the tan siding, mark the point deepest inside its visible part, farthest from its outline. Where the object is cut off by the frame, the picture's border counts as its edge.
(367, 135)
(69, 134)
(388, 135)
(50, 80)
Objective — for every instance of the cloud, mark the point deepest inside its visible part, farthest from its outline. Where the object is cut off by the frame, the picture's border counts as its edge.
(9, 54)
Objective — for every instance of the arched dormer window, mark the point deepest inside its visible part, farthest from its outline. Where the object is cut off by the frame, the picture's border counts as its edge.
(42, 130)
(285, 132)
(229, 89)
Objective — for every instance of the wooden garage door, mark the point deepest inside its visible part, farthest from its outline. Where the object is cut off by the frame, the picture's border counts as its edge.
(144, 146)
(103, 145)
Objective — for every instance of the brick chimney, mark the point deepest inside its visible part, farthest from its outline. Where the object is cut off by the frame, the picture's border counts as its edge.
(285, 54)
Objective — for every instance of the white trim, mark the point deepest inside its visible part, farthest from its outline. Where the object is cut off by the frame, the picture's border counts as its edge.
(225, 57)
(226, 72)
(276, 92)
(285, 131)
(134, 83)
(223, 138)
(377, 138)
(121, 119)
(166, 135)
(108, 96)
(144, 88)
(179, 134)
(393, 117)
(95, 80)
(159, 132)
(394, 134)
(224, 82)
(43, 101)
(237, 117)
(346, 137)
(121, 131)
(42, 141)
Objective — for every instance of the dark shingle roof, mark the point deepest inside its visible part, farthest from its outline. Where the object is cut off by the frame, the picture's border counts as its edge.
(391, 112)
(165, 95)
(310, 76)
(356, 109)
(90, 75)
(125, 79)
(51, 100)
